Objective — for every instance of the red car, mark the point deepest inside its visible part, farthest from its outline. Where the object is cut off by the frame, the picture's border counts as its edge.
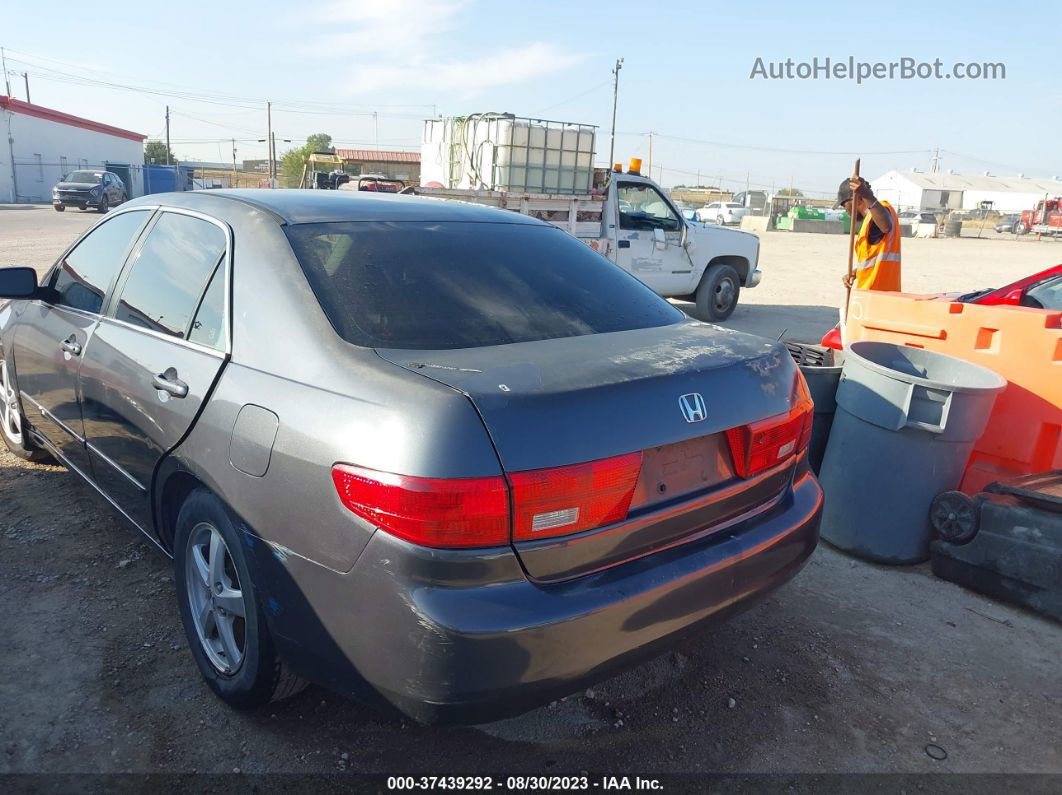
(1042, 290)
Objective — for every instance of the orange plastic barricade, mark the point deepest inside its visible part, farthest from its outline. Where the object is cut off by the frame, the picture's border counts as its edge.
(1024, 433)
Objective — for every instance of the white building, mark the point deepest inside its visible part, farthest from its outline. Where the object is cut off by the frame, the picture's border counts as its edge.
(937, 190)
(38, 146)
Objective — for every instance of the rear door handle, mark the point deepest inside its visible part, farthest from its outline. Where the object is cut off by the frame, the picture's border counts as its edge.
(71, 346)
(169, 382)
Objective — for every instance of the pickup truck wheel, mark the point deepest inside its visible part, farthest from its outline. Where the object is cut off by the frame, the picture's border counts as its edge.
(59, 207)
(13, 424)
(221, 610)
(718, 294)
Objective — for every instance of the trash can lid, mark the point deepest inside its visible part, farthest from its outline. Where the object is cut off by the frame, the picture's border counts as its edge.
(926, 368)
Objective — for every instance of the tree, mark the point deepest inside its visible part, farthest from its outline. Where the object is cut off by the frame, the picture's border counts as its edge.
(293, 160)
(791, 192)
(156, 151)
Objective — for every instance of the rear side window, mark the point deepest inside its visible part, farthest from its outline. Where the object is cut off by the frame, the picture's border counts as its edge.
(85, 274)
(169, 275)
(208, 328)
(428, 285)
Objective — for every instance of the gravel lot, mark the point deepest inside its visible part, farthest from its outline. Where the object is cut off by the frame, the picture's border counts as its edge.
(850, 668)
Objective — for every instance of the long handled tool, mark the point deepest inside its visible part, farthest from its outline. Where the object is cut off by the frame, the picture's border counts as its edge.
(851, 249)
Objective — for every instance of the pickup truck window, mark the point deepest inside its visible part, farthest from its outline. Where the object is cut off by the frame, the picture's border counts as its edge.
(642, 207)
(429, 285)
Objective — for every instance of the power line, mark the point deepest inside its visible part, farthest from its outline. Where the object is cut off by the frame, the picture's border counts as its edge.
(580, 95)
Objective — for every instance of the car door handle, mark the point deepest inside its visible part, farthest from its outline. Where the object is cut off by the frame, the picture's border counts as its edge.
(169, 382)
(71, 346)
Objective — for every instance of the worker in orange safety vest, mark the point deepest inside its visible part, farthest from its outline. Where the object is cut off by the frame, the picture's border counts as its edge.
(877, 245)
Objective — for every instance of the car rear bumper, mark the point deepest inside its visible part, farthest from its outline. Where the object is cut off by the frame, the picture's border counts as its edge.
(463, 637)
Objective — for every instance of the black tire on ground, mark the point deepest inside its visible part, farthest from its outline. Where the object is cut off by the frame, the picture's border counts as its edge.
(59, 207)
(20, 444)
(720, 220)
(261, 676)
(955, 517)
(104, 204)
(718, 294)
(1020, 228)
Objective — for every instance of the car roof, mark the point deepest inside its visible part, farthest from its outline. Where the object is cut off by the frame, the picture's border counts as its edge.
(300, 206)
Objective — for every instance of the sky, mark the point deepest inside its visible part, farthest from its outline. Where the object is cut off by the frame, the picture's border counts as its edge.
(687, 77)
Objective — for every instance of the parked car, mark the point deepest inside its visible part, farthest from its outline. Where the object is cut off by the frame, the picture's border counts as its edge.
(722, 213)
(429, 453)
(1008, 223)
(83, 189)
(1041, 290)
(913, 218)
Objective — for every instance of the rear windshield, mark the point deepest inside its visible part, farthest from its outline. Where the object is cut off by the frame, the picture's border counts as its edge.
(91, 177)
(430, 285)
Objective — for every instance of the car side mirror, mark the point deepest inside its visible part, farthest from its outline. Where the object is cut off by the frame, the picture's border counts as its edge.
(659, 239)
(18, 282)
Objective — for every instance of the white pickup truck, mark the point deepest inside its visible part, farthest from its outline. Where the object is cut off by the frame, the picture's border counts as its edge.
(630, 220)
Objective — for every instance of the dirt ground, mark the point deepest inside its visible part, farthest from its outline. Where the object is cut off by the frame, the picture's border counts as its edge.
(850, 668)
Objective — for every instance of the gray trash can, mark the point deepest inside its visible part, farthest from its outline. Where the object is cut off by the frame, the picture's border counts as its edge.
(905, 423)
(822, 370)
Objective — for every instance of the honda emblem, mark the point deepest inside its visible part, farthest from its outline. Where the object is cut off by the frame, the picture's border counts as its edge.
(692, 406)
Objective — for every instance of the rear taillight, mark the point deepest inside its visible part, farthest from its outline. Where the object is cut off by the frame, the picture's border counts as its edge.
(761, 445)
(551, 502)
(433, 512)
(474, 512)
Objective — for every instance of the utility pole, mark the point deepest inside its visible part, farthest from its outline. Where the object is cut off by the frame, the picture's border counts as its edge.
(376, 129)
(615, 98)
(935, 165)
(269, 140)
(3, 65)
(235, 176)
(167, 135)
(25, 76)
(650, 169)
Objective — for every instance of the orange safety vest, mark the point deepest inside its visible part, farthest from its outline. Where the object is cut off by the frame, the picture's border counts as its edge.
(878, 264)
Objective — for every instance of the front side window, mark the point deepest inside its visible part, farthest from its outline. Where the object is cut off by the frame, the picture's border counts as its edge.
(642, 207)
(430, 285)
(82, 278)
(169, 274)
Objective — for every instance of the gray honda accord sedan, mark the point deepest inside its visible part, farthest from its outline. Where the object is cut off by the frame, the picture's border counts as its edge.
(425, 453)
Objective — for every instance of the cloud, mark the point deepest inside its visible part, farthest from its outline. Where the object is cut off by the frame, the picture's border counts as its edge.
(407, 44)
(469, 76)
(383, 26)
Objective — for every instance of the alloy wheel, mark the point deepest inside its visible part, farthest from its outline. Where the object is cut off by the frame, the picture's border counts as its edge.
(10, 416)
(216, 598)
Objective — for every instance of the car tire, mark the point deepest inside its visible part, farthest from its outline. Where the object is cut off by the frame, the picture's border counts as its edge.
(104, 205)
(59, 207)
(13, 423)
(720, 220)
(1020, 228)
(718, 293)
(235, 654)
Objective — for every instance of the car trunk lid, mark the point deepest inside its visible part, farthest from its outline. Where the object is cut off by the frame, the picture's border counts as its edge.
(559, 402)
